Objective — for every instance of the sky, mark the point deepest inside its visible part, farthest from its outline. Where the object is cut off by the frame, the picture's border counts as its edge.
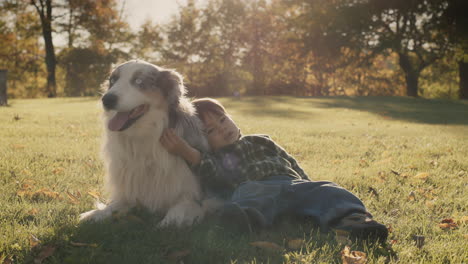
(138, 11)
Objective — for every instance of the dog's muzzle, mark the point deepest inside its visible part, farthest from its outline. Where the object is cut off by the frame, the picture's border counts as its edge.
(109, 101)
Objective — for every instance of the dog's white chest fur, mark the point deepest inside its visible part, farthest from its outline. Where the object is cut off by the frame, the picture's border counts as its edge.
(142, 171)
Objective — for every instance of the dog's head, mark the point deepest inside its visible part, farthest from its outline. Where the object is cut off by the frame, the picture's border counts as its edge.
(135, 87)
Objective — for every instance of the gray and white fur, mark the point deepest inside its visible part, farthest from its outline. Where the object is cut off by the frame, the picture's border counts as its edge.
(141, 101)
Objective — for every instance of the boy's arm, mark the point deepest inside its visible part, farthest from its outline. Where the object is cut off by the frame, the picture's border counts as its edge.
(204, 164)
(284, 154)
(178, 146)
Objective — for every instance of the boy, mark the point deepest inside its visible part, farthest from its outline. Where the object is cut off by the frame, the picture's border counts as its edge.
(261, 181)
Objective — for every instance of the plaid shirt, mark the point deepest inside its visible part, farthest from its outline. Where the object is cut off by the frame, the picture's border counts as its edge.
(253, 157)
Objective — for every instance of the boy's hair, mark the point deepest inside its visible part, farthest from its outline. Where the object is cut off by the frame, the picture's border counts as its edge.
(208, 105)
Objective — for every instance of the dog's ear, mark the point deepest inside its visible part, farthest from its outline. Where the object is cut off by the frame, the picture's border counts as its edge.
(172, 86)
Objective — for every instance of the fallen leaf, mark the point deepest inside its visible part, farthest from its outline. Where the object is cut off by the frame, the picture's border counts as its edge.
(296, 243)
(422, 176)
(176, 255)
(46, 252)
(94, 194)
(46, 193)
(73, 198)
(18, 146)
(353, 257)
(33, 241)
(463, 220)
(267, 245)
(58, 170)
(33, 211)
(363, 163)
(448, 223)
(78, 244)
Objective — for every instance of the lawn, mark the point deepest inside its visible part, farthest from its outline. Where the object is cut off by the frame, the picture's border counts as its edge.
(405, 158)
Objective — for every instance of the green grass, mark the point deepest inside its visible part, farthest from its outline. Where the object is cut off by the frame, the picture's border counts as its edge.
(356, 142)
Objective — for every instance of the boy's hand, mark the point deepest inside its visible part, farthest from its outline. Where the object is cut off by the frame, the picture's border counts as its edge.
(173, 143)
(178, 146)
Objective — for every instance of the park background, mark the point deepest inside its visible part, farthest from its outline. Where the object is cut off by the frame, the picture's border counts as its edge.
(333, 81)
(225, 47)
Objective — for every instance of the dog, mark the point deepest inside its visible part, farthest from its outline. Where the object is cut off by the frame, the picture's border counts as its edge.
(141, 101)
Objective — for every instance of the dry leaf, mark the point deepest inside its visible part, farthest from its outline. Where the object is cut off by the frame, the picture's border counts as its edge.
(178, 254)
(463, 220)
(363, 163)
(267, 245)
(46, 252)
(94, 194)
(448, 223)
(33, 241)
(18, 146)
(78, 244)
(73, 198)
(33, 211)
(296, 243)
(58, 170)
(422, 176)
(352, 257)
(46, 193)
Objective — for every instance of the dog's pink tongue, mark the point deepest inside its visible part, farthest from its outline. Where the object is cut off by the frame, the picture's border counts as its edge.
(118, 121)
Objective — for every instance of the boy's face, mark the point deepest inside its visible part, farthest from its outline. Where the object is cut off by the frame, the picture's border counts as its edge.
(220, 130)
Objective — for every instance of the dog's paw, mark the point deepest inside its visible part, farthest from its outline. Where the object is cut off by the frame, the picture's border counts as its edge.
(184, 213)
(94, 215)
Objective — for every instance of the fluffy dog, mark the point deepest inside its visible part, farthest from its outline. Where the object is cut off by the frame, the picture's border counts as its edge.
(141, 101)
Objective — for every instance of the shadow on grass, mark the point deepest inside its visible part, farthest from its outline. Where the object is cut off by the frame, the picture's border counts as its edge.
(416, 110)
(269, 107)
(135, 239)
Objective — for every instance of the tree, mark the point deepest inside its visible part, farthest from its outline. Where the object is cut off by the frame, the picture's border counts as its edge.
(457, 32)
(409, 28)
(44, 10)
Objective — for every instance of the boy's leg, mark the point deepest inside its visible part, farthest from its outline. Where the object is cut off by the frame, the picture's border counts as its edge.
(261, 201)
(332, 206)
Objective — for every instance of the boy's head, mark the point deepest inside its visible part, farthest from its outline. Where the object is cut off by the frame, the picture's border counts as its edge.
(219, 127)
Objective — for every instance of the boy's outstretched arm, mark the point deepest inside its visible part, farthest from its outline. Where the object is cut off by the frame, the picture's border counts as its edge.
(178, 146)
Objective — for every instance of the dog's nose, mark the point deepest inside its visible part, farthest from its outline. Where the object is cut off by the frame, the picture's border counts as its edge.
(109, 101)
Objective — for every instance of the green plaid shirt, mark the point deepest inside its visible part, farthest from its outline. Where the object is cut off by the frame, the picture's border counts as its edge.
(253, 157)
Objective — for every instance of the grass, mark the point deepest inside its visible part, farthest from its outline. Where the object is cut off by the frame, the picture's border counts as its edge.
(405, 158)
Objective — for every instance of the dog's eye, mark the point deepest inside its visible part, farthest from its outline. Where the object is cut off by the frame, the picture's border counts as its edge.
(138, 81)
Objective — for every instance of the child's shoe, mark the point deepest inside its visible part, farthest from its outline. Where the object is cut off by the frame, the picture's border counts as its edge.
(361, 226)
(234, 218)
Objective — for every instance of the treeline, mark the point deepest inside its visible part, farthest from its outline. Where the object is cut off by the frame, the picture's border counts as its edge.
(249, 47)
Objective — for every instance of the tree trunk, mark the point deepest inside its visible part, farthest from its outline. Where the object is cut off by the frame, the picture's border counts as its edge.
(463, 74)
(411, 75)
(44, 10)
(3, 88)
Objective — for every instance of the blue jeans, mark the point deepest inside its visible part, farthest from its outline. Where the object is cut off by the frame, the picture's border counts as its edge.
(323, 201)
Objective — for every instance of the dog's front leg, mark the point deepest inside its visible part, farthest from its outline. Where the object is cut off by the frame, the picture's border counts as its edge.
(104, 211)
(185, 212)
